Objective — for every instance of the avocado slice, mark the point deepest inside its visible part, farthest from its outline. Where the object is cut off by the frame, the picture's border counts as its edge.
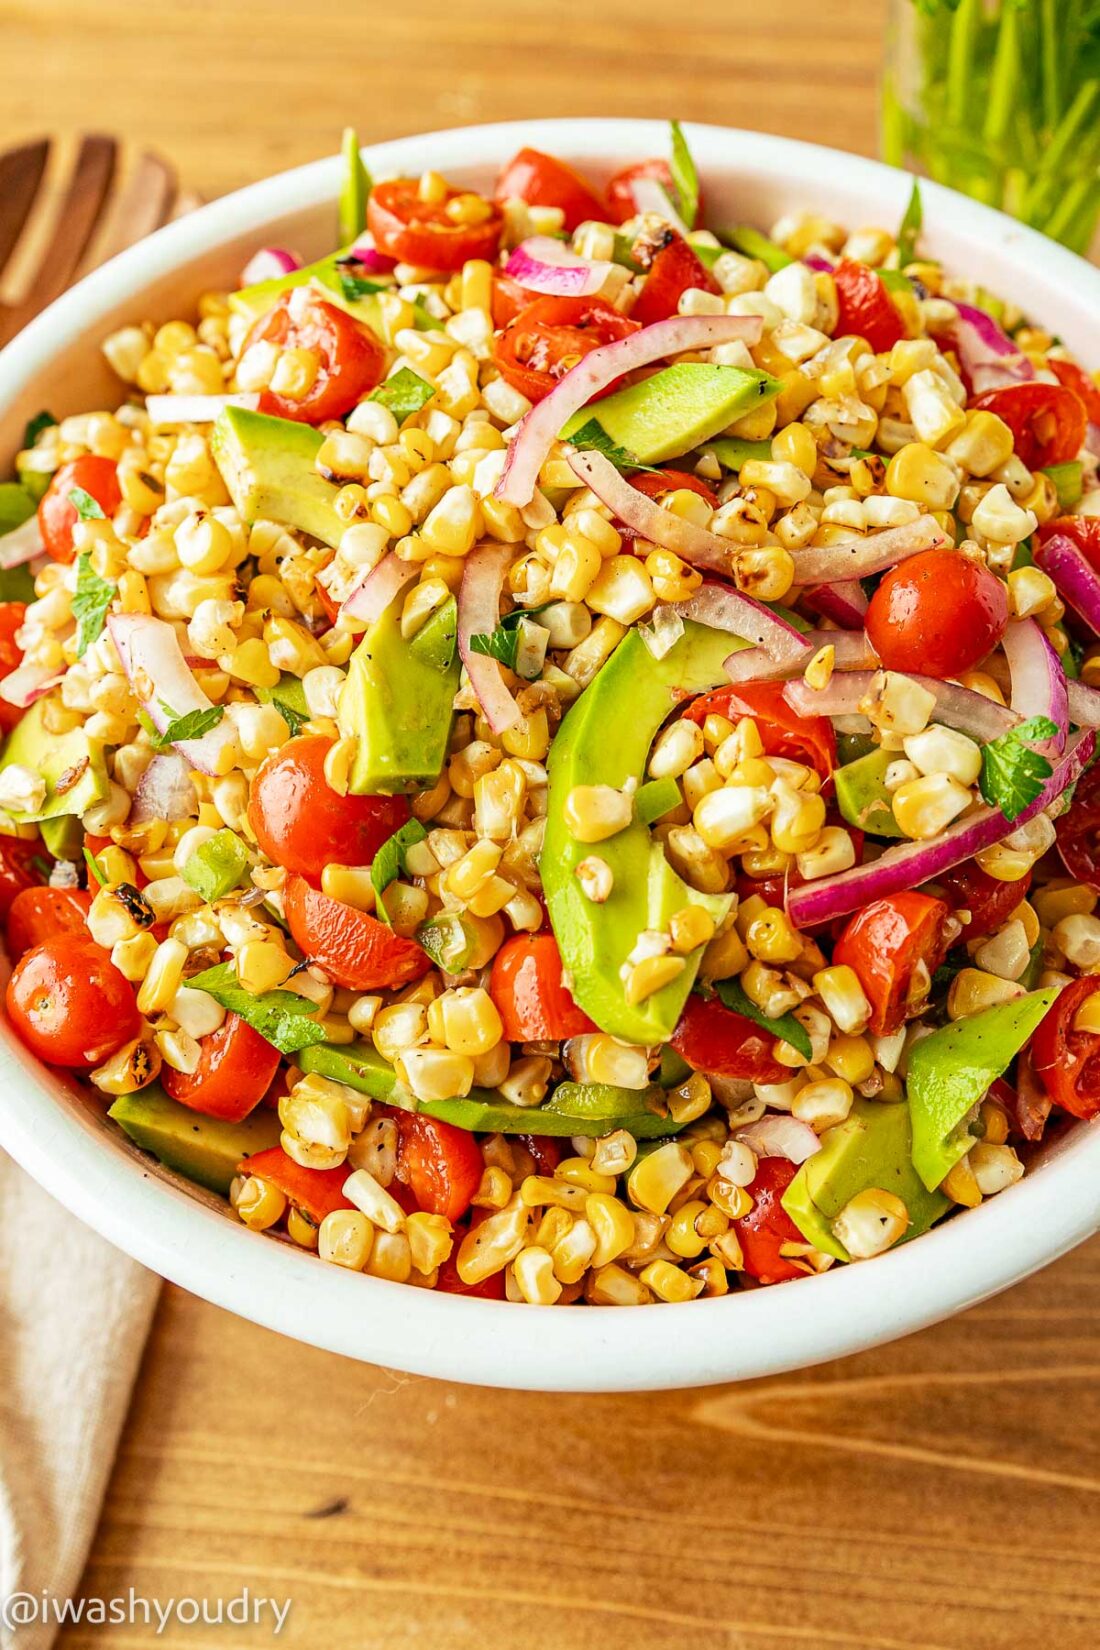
(70, 763)
(870, 1148)
(254, 301)
(951, 1070)
(862, 797)
(204, 1149)
(63, 836)
(16, 505)
(731, 451)
(269, 467)
(398, 702)
(605, 740)
(676, 409)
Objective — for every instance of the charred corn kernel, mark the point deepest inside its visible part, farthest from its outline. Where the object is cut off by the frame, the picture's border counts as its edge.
(164, 977)
(940, 750)
(797, 819)
(494, 1188)
(614, 1286)
(133, 956)
(840, 990)
(597, 1058)
(994, 1166)
(766, 574)
(690, 1099)
(982, 445)
(258, 1203)
(772, 938)
(683, 1236)
(961, 1185)
(795, 445)
(1012, 858)
(595, 877)
(578, 1171)
(650, 975)
(1078, 939)
(871, 1222)
(474, 871)
(612, 1224)
(676, 749)
(973, 990)
(850, 1057)
(833, 851)
(673, 580)
(919, 473)
(576, 569)
(711, 1273)
(733, 1200)
(724, 956)
(130, 1068)
(543, 1191)
(622, 589)
(295, 373)
(723, 816)
(655, 1179)
(595, 812)
(823, 1104)
(614, 1153)
(178, 1049)
(924, 807)
(1006, 953)
(527, 1080)
(422, 601)
(345, 1238)
(262, 965)
(1030, 591)
(301, 1229)
(451, 528)
(337, 765)
(374, 1201)
(689, 928)
(436, 1073)
(533, 1270)
(491, 1246)
(998, 517)
(398, 1027)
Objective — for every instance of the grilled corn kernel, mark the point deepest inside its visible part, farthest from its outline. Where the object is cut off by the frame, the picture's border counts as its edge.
(430, 1240)
(258, 1203)
(595, 812)
(961, 1186)
(491, 1246)
(301, 1229)
(614, 1153)
(655, 1179)
(374, 1201)
(349, 883)
(533, 1270)
(689, 928)
(436, 1073)
(652, 974)
(919, 473)
(164, 977)
(823, 1104)
(995, 1167)
(871, 1222)
(924, 807)
(797, 819)
(1030, 591)
(1078, 939)
(940, 750)
(468, 1020)
(840, 990)
(771, 937)
(345, 1238)
(390, 1257)
(612, 1224)
(973, 990)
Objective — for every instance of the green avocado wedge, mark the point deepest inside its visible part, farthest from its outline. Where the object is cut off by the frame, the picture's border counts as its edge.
(862, 797)
(398, 702)
(870, 1148)
(950, 1071)
(605, 740)
(269, 467)
(204, 1149)
(676, 409)
(70, 763)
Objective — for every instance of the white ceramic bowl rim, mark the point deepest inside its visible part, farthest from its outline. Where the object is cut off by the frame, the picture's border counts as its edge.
(758, 1332)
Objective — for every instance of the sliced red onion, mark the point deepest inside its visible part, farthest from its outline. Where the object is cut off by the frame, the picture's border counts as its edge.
(723, 608)
(479, 615)
(814, 261)
(956, 707)
(1075, 579)
(542, 264)
(25, 684)
(912, 863)
(195, 409)
(268, 264)
(756, 664)
(846, 603)
(1084, 704)
(855, 558)
(650, 195)
(538, 430)
(988, 356)
(780, 1137)
(155, 669)
(370, 596)
(22, 544)
(165, 790)
(1038, 681)
(372, 262)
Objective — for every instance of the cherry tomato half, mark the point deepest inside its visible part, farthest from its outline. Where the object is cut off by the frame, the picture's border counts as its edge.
(1075, 378)
(11, 657)
(303, 824)
(1048, 421)
(894, 945)
(1067, 1062)
(351, 360)
(40, 914)
(235, 1070)
(57, 514)
(713, 1038)
(316, 1192)
(1083, 531)
(526, 986)
(550, 336)
(674, 269)
(767, 1226)
(16, 870)
(416, 231)
(620, 195)
(989, 901)
(543, 180)
(864, 307)
(807, 739)
(70, 1004)
(441, 1165)
(354, 949)
(1078, 831)
(938, 613)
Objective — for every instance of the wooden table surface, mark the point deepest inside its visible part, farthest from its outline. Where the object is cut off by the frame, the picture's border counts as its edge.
(939, 1494)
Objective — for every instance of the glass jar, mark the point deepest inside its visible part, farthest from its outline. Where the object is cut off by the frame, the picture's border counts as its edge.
(1000, 99)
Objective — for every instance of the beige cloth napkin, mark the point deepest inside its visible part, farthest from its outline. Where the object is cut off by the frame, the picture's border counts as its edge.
(74, 1317)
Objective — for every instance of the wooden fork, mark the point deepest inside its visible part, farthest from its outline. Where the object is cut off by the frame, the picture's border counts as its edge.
(94, 220)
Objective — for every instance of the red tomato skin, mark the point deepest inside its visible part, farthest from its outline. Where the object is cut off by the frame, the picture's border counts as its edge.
(12, 615)
(620, 200)
(674, 269)
(16, 870)
(509, 299)
(40, 914)
(354, 949)
(990, 902)
(937, 614)
(543, 180)
(714, 1038)
(441, 1165)
(526, 986)
(69, 1004)
(317, 1192)
(353, 360)
(1048, 421)
(1075, 378)
(235, 1070)
(767, 1226)
(807, 739)
(884, 943)
(302, 824)
(1067, 1062)
(56, 512)
(1078, 831)
(536, 349)
(864, 306)
(420, 232)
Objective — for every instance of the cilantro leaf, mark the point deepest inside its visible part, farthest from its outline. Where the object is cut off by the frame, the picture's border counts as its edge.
(293, 718)
(910, 227)
(34, 427)
(592, 437)
(95, 869)
(404, 393)
(91, 599)
(282, 1018)
(685, 179)
(1012, 774)
(501, 643)
(731, 993)
(389, 862)
(191, 726)
(86, 507)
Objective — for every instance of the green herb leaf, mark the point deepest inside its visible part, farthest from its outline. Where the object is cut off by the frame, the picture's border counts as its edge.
(95, 868)
(356, 286)
(792, 1031)
(86, 507)
(34, 427)
(191, 726)
(42, 866)
(281, 1017)
(389, 862)
(404, 394)
(910, 227)
(592, 437)
(1012, 774)
(354, 191)
(293, 718)
(501, 644)
(91, 599)
(685, 179)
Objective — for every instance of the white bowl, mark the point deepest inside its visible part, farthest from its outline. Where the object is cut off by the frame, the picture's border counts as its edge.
(186, 1235)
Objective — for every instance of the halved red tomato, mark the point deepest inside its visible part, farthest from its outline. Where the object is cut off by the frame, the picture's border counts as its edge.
(12, 615)
(235, 1070)
(807, 739)
(544, 180)
(767, 1227)
(39, 914)
(16, 869)
(316, 1192)
(895, 945)
(526, 986)
(674, 269)
(1048, 421)
(351, 360)
(620, 195)
(550, 336)
(57, 514)
(864, 307)
(713, 1038)
(441, 1165)
(416, 231)
(354, 949)
(1067, 1062)
(989, 901)
(1083, 531)
(1075, 378)
(301, 823)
